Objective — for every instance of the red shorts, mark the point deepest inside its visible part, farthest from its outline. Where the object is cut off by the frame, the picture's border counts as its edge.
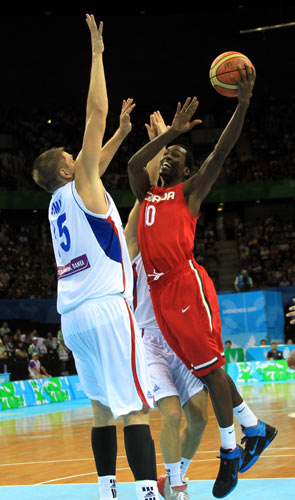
(187, 311)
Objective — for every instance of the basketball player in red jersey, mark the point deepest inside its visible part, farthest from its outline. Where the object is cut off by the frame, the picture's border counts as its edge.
(183, 295)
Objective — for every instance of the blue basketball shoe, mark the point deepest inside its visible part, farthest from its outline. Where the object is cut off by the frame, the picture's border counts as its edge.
(257, 438)
(230, 463)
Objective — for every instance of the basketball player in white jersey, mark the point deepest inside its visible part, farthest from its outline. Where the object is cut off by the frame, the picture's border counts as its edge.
(95, 284)
(174, 387)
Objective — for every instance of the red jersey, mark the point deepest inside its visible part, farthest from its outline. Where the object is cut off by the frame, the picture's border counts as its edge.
(166, 229)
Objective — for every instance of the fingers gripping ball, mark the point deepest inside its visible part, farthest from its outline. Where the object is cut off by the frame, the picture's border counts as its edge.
(291, 360)
(223, 67)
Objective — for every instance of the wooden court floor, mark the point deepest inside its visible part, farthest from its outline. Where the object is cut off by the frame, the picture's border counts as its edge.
(54, 448)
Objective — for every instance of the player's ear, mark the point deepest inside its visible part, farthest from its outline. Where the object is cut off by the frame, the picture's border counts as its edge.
(186, 172)
(65, 173)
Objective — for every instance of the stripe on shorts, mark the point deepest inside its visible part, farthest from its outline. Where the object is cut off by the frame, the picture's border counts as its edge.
(204, 298)
(205, 365)
(133, 360)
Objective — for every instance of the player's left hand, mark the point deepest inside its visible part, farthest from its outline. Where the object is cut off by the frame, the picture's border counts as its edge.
(182, 118)
(96, 35)
(125, 123)
(246, 84)
(157, 125)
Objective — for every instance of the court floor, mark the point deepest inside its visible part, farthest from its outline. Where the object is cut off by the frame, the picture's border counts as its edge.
(46, 452)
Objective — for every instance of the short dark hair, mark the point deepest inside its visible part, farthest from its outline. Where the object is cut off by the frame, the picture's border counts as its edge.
(46, 167)
(189, 158)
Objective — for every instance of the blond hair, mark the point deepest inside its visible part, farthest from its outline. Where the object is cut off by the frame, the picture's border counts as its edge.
(46, 169)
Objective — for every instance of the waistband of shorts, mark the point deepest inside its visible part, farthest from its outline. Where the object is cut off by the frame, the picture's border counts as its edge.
(98, 300)
(168, 275)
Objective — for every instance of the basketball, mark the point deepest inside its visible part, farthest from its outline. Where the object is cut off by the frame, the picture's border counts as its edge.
(223, 67)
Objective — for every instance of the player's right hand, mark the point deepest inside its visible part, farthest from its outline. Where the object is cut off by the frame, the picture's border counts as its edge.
(182, 119)
(96, 34)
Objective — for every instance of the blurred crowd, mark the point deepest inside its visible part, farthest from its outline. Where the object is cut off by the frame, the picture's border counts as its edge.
(267, 152)
(267, 251)
(22, 348)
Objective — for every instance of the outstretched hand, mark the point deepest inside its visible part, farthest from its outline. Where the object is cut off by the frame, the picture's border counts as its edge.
(96, 34)
(157, 125)
(182, 119)
(246, 84)
(125, 123)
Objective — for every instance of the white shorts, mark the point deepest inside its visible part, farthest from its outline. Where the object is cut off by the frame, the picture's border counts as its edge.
(169, 375)
(109, 354)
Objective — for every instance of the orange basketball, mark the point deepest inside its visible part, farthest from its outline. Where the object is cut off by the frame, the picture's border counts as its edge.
(223, 67)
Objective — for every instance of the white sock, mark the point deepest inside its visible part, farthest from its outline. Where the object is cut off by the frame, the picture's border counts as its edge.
(146, 489)
(107, 487)
(185, 463)
(228, 437)
(174, 473)
(244, 415)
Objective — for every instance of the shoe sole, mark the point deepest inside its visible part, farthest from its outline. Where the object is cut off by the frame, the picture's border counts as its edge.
(254, 459)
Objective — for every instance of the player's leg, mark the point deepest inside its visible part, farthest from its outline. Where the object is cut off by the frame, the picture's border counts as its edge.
(104, 447)
(141, 456)
(178, 447)
(231, 454)
(161, 362)
(227, 402)
(196, 417)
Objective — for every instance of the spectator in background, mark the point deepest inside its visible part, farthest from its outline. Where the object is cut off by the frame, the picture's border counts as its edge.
(9, 347)
(63, 353)
(27, 337)
(263, 342)
(3, 357)
(34, 347)
(243, 282)
(21, 351)
(4, 329)
(274, 353)
(228, 344)
(36, 370)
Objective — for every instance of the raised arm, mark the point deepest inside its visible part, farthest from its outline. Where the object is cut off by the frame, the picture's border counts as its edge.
(154, 128)
(110, 148)
(138, 175)
(87, 180)
(198, 186)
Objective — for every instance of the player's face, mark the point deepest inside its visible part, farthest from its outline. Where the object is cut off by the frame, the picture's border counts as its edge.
(172, 163)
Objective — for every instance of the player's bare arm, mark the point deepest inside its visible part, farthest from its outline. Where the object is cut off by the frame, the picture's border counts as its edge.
(125, 126)
(156, 127)
(87, 180)
(138, 176)
(130, 231)
(198, 186)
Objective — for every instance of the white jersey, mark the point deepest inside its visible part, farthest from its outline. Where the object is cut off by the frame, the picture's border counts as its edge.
(142, 302)
(90, 250)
